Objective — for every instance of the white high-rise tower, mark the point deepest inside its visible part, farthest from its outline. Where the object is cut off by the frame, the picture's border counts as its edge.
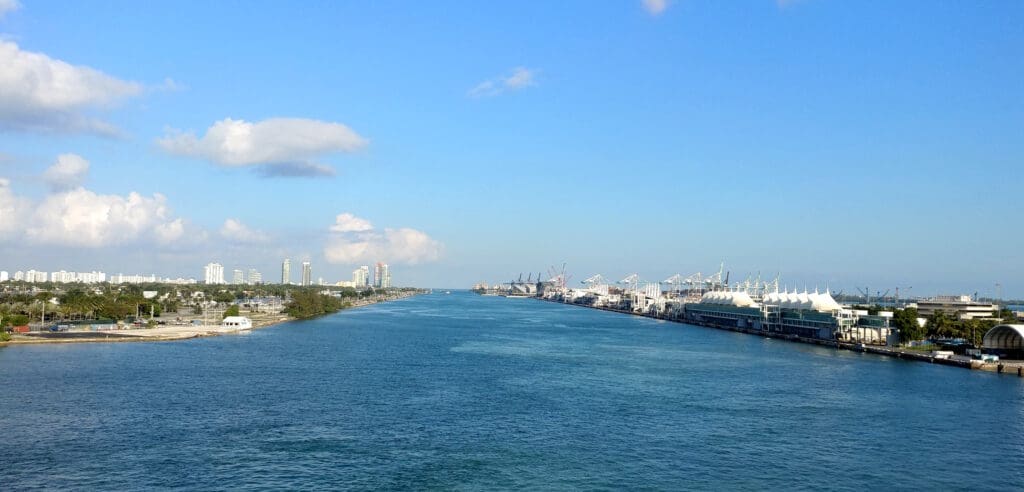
(307, 273)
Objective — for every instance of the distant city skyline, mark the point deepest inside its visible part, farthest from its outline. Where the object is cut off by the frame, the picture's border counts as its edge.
(837, 143)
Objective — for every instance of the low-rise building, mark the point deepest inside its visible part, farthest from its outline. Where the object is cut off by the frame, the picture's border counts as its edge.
(237, 322)
(960, 307)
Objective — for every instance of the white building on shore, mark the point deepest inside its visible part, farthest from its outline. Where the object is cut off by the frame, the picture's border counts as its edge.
(960, 307)
(213, 273)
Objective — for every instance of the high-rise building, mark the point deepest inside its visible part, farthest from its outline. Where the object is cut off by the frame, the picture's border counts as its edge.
(307, 273)
(381, 276)
(237, 277)
(4, 276)
(361, 276)
(286, 271)
(34, 276)
(213, 273)
(255, 277)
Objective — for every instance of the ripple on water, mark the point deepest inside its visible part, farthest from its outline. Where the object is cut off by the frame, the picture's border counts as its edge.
(466, 392)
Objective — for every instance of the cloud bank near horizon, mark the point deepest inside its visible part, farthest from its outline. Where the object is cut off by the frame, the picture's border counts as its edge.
(355, 240)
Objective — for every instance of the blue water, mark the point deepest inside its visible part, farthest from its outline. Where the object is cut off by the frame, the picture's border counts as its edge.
(467, 392)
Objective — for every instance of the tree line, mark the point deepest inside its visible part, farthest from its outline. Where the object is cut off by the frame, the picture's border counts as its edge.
(22, 302)
(942, 325)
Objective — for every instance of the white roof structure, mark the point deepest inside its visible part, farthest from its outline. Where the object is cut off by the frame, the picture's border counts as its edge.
(728, 298)
(808, 301)
(1005, 337)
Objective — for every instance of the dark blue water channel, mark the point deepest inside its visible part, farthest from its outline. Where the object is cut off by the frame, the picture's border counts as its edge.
(461, 391)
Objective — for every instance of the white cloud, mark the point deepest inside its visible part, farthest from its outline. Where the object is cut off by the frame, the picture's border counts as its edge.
(38, 93)
(347, 222)
(235, 231)
(79, 217)
(519, 78)
(170, 232)
(354, 240)
(68, 172)
(13, 210)
(7, 6)
(655, 7)
(278, 146)
(169, 85)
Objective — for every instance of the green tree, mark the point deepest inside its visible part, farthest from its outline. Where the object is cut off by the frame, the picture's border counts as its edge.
(905, 320)
(940, 325)
(224, 297)
(231, 311)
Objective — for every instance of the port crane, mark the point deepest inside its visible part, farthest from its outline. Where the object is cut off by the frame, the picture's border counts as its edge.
(674, 282)
(594, 281)
(866, 292)
(557, 277)
(632, 281)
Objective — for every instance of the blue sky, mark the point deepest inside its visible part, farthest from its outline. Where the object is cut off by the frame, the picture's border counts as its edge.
(849, 143)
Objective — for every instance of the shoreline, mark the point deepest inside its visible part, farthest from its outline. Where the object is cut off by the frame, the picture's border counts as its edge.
(1010, 368)
(173, 333)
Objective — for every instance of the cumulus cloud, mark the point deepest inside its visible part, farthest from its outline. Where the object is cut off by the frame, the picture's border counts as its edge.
(355, 240)
(40, 94)
(83, 218)
(169, 232)
(7, 6)
(68, 172)
(347, 222)
(13, 210)
(275, 146)
(235, 231)
(655, 7)
(519, 78)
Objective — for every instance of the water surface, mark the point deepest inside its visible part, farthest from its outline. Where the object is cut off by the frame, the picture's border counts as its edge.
(467, 392)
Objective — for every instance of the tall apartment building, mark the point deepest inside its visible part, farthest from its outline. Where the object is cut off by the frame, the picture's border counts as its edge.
(307, 274)
(286, 271)
(381, 276)
(35, 276)
(255, 277)
(237, 277)
(213, 273)
(361, 276)
(4, 276)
